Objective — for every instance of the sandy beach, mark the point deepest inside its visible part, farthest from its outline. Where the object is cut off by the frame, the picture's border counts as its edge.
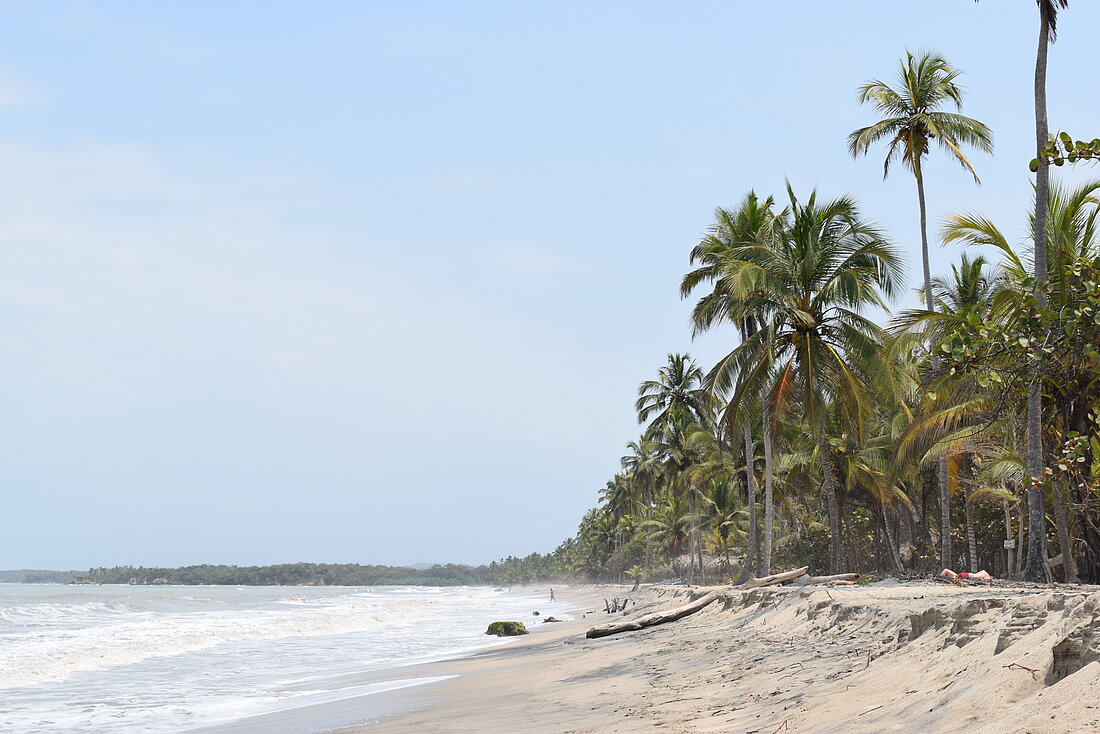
(893, 656)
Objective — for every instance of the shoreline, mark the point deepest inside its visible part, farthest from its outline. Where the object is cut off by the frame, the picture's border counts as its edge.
(892, 656)
(378, 694)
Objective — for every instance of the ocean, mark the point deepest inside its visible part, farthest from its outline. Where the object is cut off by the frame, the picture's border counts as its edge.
(167, 659)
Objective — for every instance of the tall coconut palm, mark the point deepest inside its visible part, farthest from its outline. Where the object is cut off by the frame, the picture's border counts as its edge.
(716, 258)
(679, 386)
(912, 121)
(807, 283)
(677, 401)
(1034, 570)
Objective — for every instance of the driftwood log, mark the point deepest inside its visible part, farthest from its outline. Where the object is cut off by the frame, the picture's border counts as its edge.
(840, 578)
(649, 620)
(615, 605)
(778, 578)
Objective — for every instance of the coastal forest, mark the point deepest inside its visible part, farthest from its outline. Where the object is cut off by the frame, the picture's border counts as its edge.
(844, 435)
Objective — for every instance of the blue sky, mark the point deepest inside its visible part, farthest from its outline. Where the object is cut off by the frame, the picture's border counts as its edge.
(377, 282)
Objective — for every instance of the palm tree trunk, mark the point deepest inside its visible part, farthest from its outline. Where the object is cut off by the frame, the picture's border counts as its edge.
(905, 538)
(836, 550)
(890, 539)
(1036, 563)
(750, 483)
(1019, 541)
(691, 540)
(769, 498)
(930, 304)
(699, 550)
(971, 540)
(1065, 538)
(945, 512)
(1010, 560)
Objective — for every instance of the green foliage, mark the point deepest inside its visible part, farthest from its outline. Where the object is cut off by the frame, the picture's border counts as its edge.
(1066, 333)
(1063, 148)
(912, 120)
(808, 547)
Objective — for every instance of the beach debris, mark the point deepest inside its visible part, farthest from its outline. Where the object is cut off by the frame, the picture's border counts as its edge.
(551, 619)
(615, 605)
(778, 578)
(506, 629)
(840, 579)
(649, 620)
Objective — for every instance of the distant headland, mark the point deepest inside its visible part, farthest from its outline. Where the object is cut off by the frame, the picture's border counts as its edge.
(510, 571)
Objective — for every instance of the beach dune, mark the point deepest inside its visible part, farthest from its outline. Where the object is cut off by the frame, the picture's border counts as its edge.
(888, 657)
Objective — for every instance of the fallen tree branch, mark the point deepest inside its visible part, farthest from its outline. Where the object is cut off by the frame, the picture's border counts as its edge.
(778, 578)
(649, 620)
(810, 580)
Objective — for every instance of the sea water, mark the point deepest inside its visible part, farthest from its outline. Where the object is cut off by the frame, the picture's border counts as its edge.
(155, 659)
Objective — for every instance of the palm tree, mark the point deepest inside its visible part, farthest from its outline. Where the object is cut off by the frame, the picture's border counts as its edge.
(671, 525)
(679, 386)
(715, 255)
(807, 283)
(1034, 570)
(677, 401)
(912, 120)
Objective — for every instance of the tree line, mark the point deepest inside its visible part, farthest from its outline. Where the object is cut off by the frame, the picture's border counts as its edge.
(962, 434)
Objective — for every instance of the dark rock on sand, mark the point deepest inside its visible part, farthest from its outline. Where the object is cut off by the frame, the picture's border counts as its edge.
(506, 629)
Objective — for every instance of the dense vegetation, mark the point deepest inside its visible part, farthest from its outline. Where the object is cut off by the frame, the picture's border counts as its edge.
(36, 576)
(509, 571)
(964, 434)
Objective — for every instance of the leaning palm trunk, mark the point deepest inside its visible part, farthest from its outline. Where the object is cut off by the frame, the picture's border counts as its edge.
(836, 549)
(769, 497)
(890, 541)
(1036, 563)
(1065, 538)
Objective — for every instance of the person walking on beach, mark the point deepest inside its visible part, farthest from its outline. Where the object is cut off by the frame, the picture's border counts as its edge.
(551, 595)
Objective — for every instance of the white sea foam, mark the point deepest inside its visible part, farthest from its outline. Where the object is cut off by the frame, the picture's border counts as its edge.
(152, 659)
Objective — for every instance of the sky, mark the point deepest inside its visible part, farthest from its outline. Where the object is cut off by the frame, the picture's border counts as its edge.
(376, 282)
